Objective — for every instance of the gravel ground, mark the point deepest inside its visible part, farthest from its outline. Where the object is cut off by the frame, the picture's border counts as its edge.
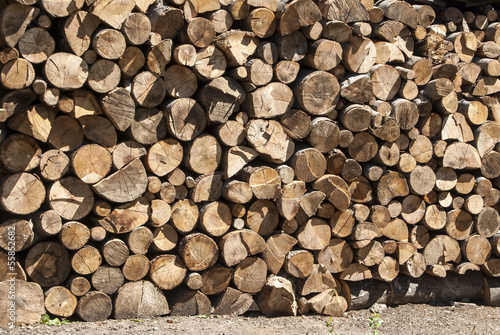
(460, 318)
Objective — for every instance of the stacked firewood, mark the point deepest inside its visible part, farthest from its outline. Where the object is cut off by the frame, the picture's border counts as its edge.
(218, 156)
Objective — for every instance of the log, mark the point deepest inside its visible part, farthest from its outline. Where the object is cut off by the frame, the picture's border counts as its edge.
(237, 245)
(277, 297)
(131, 301)
(188, 302)
(233, 302)
(28, 302)
(94, 306)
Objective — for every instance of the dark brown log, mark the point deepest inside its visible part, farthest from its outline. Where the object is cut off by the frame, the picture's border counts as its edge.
(94, 306)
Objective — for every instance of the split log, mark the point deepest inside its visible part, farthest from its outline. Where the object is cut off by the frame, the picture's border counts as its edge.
(28, 300)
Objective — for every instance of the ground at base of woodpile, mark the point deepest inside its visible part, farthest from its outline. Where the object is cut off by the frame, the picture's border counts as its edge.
(458, 318)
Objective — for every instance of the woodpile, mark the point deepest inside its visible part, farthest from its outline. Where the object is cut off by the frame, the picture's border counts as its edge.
(199, 156)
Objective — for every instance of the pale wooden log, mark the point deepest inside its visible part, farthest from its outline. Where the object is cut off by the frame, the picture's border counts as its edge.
(127, 184)
(487, 222)
(131, 301)
(328, 303)
(357, 89)
(126, 217)
(415, 266)
(204, 154)
(86, 260)
(36, 45)
(184, 54)
(163, 239)
(247, 44)
(344, 11)
(104, 76)
(261, 21)
(79, 286)
(91, 163)
(148, 89)
(185, 119)
(112, 12)
(94, 306)
(136, 28)
(221, 97)
(386, 81)
(475, 111)
(250, 275)
(221, 20)
(319, 280)
(277, 297)
(119, 107)
(29, 302)
(356, 272)
(167, 271)
(461, 156)
(18, 74)
(335, 189)
(164, 156)
(277, 247)
(107, 279)
(210, 63)
(465, 45)
(184, 216)
(139, 240)
(314, 234)
(277, 150)
(237, 245)
(97, 234)
(115, 252)
(490, 67)
(391, 185)
(476, 249)
(159, 56)
(422, 68)
(294, 16)
(422, 180)
(359, 55)
(35, 121)
(269, 101)
(208, 187)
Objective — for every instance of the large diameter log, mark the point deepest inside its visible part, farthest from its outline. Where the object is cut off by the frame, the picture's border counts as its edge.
(94, 306)
(272, 100)
(237, 245)
(277, 297)
(198, 251)
(312, 90)
(167, 271)
(223, 96)
(71, 198)
(189, 302)
(140, 299)
(47, 263)
(22, 193)
(28, 300)
(125, 185)
(359, 55)
(66, 71)
(270, 140)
